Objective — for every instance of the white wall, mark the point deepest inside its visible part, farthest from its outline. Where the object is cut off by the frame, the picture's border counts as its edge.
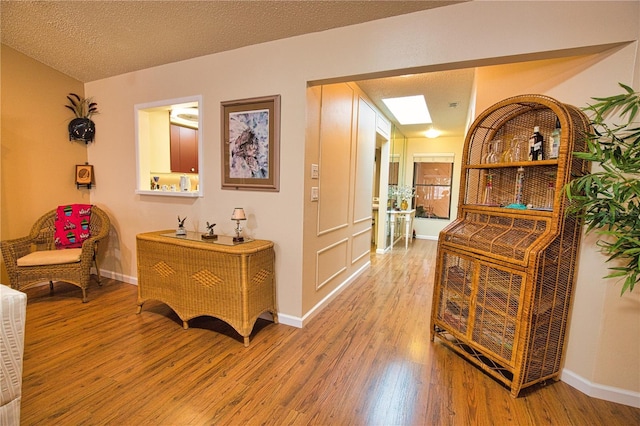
(469, 34)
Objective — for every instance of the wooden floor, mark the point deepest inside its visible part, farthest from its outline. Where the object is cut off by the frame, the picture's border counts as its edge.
(366, 359)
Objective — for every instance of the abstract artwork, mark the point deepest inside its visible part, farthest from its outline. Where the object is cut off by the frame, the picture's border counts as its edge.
(251, 139)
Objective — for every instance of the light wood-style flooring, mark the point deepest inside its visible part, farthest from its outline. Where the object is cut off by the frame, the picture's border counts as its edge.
(366, 359)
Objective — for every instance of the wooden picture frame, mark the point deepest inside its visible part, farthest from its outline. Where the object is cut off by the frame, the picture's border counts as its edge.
(84, 175)
(251, 144)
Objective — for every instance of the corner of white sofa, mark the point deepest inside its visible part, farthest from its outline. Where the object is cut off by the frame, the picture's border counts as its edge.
(13, 314)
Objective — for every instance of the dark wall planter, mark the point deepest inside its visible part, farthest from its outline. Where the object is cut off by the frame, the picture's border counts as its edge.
(82, 129)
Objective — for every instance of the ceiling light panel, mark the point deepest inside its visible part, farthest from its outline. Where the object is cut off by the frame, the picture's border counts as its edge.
(409, 109)
(432, 133)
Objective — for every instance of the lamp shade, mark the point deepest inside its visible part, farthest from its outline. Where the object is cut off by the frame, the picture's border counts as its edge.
(238, 214)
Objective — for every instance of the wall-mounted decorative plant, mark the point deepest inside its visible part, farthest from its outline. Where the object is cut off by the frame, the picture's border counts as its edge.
(609, 200)
(82, 128)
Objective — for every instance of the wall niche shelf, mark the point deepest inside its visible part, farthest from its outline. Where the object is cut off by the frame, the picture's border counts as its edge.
(190, 194)
(504, 276)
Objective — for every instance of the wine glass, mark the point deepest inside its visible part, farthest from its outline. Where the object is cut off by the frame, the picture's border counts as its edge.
(507, 154)
(492, 156)
(519, 151)
(486, 150)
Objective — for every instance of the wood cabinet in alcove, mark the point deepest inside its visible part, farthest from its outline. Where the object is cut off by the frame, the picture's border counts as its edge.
(184, 149)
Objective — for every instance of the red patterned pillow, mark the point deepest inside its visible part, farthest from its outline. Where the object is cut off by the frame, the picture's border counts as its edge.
(72, 225)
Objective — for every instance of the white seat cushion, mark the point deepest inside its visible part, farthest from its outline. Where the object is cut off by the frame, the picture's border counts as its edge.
(50, 257)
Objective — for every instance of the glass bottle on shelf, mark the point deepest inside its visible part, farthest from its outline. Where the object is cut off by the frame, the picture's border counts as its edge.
(519, 186)
(554, 141)
(549, 196)
(536, 145)
(487, 197)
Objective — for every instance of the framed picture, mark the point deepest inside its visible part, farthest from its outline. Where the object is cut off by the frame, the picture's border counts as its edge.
(251, 144)
(84, 175)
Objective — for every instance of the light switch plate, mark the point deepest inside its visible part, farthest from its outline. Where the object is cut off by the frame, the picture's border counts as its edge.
(314, 193)
(315, 171)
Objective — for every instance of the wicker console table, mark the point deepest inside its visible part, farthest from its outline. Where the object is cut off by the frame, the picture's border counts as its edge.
(235, 282)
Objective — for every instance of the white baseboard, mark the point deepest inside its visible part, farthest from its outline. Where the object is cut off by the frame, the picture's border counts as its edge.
(117, 276)
(427, 237)
(417, 237)
(290, 320)
(324, 302)
(300, 322)
(595, 390)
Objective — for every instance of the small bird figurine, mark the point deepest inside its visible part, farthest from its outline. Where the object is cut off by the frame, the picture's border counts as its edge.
(181, 222)
(210, 228)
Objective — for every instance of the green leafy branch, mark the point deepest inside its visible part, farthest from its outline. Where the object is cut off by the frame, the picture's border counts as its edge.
(609, 200)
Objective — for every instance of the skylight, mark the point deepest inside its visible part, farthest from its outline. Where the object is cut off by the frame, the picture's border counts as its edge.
(409, 109)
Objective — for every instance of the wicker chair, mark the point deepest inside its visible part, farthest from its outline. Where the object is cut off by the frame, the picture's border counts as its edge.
(75, 270)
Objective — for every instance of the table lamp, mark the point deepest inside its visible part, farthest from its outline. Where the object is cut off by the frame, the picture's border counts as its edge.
(238, 215)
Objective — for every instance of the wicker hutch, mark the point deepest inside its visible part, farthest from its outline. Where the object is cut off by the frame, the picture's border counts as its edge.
(505, 270)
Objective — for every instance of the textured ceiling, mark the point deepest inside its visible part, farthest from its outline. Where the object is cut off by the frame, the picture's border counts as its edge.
(90, 40)
(447, 93)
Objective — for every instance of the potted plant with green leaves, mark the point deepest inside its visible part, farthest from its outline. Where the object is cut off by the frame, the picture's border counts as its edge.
(82, 128)
(609, 199)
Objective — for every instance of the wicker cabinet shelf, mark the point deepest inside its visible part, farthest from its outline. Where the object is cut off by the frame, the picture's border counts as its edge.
(514, 164)
(505, 271)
